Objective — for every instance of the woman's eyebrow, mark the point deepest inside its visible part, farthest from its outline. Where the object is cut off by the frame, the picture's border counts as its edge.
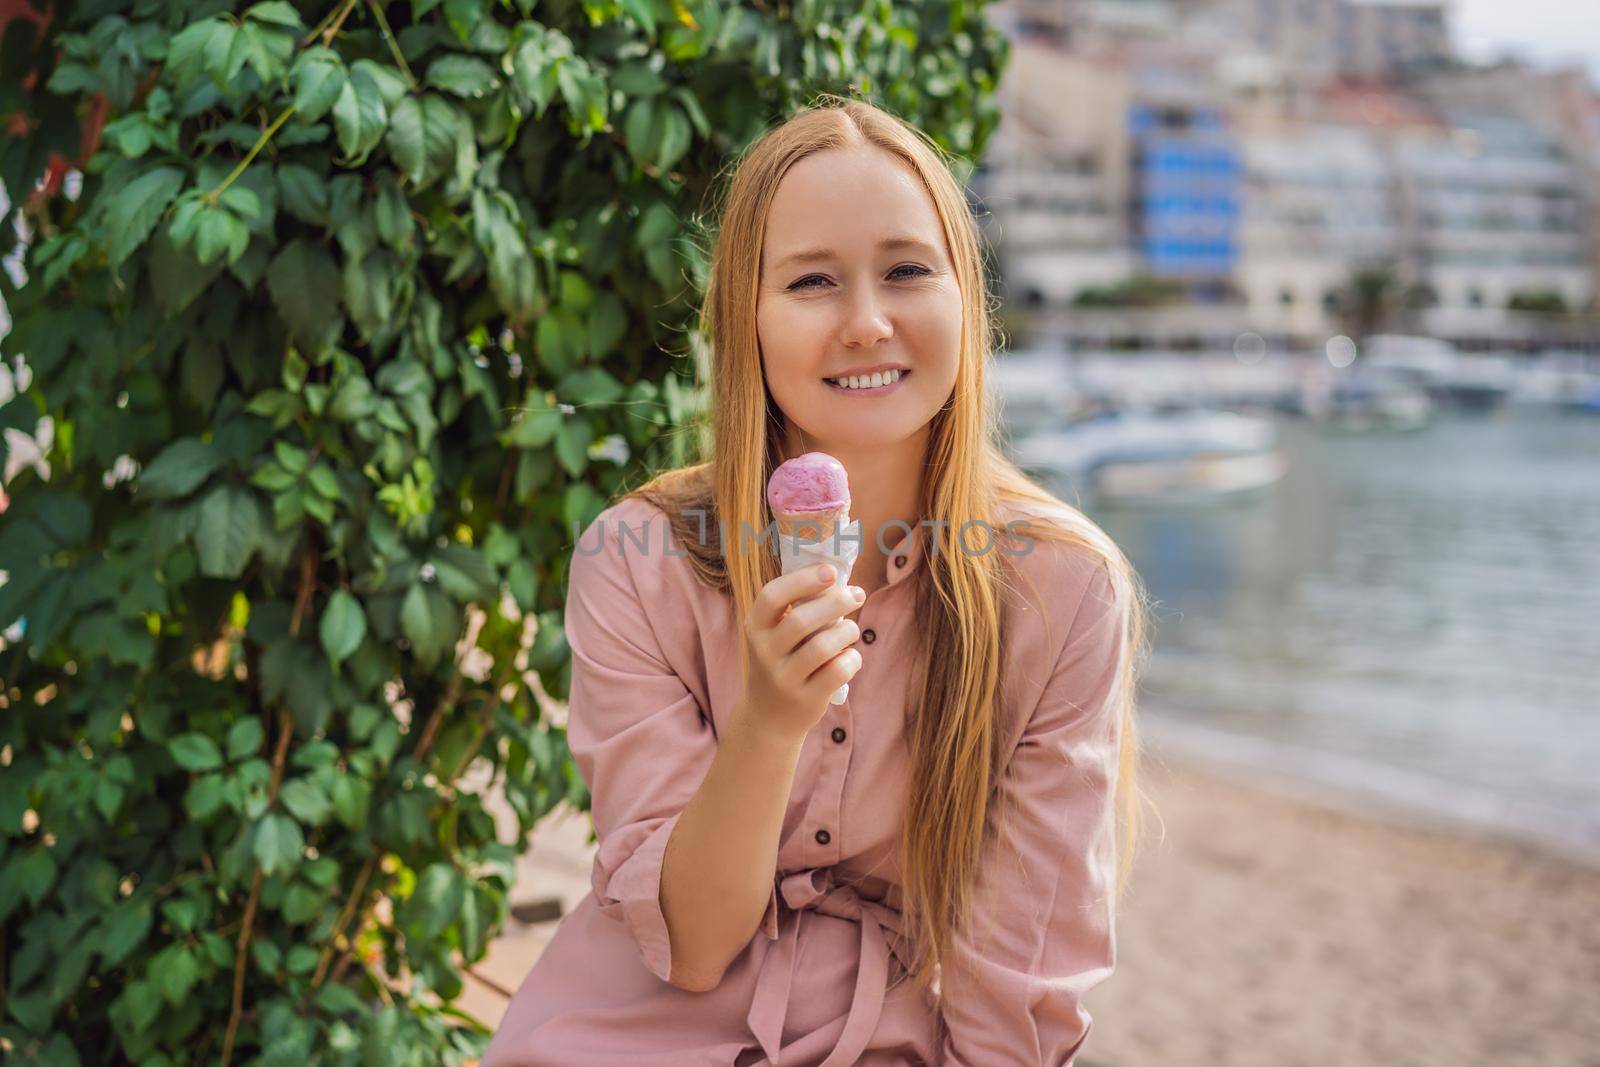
(815, 254)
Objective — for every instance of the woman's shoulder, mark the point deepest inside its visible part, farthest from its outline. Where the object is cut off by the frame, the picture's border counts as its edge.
(1063, 566)
(1054, 544)
(632, 539)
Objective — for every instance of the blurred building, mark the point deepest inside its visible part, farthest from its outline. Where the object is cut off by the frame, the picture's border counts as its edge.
(1320, 202)
(1186, 187)
(1326, 37)
(1056, 176)
(1497, 209)
(1254, 156)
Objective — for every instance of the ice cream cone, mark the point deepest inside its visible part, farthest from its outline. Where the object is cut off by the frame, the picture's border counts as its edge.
(811, 525)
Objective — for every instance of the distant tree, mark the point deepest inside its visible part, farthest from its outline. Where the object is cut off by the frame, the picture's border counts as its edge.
(1371, 299)
(1139, 291)
(1551, 301)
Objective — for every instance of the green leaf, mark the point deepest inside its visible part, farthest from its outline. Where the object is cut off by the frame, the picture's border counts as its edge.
(641, 11)
(343, 627)
(462, 75)
(572, 445)
(177, 970)
(304, 283)
(279, 12)
(124, 930)
(675, 137)
(300, 905)
(589, 386)
(351, 797)
(192, 46)
(359, 116)
(132, 212)
(231, 528)
(245, 738)
(243, 201)
(369, 291)
(278, 843)
(179, 469)
(205, 797)
(641, 132)
(537, 424)
(195, 752)
(429, 621)
(176, 276)
(325, 482)
(319, 80)
(217, 231)
(422, 137)
(304, 193)
(436, 901)
(182, 913)
(465, 574)
(306, 801)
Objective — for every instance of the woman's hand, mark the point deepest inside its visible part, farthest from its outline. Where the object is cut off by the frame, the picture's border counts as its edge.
(799, 644)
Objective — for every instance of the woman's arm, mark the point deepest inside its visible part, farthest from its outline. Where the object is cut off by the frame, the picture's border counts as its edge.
(722, 858)
(1044, 920)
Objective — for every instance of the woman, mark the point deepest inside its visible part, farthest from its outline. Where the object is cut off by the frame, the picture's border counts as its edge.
(773, 868)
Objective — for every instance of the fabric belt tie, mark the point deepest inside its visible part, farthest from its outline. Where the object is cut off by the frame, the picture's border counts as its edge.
(815, 890)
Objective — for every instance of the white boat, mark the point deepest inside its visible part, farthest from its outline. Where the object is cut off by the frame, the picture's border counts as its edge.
(1449, 376)
(1559, 380)
(1148, 458)
(1361, 400)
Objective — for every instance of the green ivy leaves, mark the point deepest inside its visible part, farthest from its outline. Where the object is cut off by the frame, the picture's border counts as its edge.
(360, 113)
(430, 138)
(386, 299)
(133, 211)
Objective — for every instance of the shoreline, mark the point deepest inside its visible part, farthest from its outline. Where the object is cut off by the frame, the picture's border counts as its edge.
(1405, 799)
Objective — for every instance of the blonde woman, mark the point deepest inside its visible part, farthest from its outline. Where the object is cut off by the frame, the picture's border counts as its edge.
(926, 873)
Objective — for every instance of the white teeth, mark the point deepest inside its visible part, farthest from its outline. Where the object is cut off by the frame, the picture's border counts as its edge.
(870, 381)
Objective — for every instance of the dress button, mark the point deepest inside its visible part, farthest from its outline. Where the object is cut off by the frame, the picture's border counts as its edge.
(868, 636)
(823, 837)
(838, 733)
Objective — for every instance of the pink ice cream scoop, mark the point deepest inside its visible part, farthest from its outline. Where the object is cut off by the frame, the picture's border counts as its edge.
(813, 482)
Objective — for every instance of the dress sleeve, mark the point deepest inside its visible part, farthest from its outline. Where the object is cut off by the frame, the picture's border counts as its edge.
(1043, 933)
(636, 732)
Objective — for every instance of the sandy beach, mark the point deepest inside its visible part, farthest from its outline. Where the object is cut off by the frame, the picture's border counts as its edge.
(1268, 930)
(1274, 931)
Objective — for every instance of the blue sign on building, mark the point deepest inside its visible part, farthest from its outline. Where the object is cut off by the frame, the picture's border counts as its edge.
(1187, 189)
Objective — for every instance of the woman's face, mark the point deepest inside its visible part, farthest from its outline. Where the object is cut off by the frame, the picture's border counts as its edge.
(859, 303)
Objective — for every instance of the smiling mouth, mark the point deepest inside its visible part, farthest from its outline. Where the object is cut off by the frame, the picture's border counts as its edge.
(863, 386)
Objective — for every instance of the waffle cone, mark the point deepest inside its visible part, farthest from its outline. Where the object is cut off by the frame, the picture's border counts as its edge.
(811, 525)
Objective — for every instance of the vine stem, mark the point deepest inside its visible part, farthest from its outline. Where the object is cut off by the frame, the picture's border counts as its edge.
(394, 46)
(338, 20)
(430, 733)
(242, 948)
(261, 142)
(308, 578)
(344, 917)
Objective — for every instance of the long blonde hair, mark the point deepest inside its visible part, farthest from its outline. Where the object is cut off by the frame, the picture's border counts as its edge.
(955, 736)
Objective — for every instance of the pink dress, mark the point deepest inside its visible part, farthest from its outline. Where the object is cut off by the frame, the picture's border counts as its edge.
(655, 674)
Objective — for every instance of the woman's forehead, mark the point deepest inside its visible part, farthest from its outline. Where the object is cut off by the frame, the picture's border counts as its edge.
(846, 200)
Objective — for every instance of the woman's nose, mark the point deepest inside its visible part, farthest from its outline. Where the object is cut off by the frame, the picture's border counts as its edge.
(867, 319)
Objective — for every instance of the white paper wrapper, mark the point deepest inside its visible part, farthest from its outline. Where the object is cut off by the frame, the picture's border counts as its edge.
(797, 552)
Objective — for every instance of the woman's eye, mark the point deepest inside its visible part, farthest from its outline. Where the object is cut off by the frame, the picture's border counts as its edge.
(920, 271)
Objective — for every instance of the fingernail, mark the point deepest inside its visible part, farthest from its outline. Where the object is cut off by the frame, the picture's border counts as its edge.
(857, 593)
(824, 573)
